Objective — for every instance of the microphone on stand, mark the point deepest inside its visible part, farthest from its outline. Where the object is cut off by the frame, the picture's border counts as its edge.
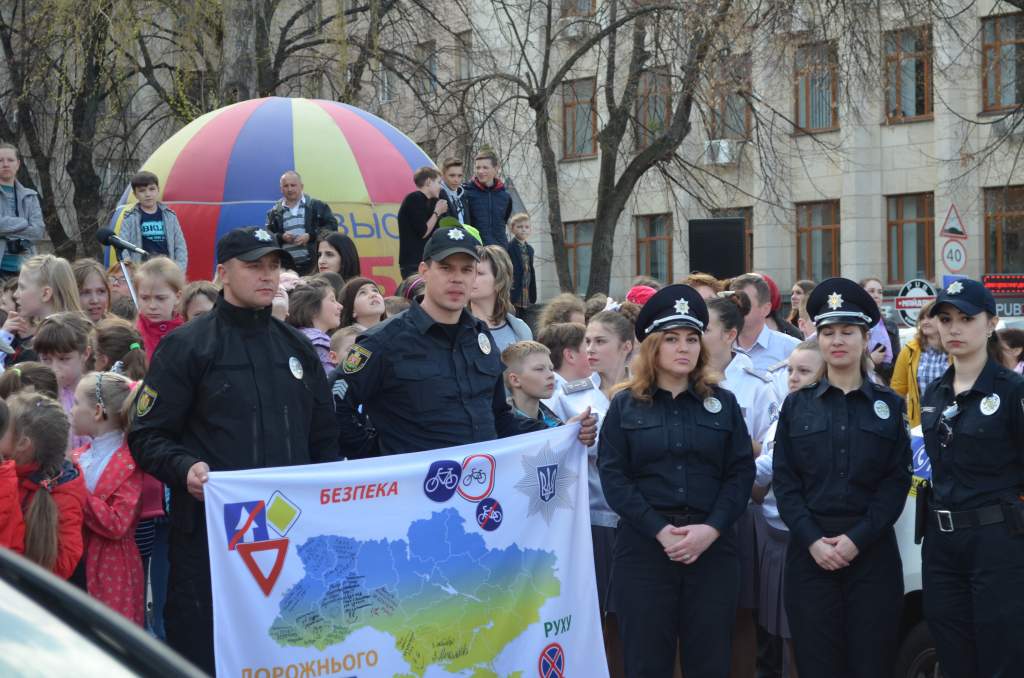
(107, 237)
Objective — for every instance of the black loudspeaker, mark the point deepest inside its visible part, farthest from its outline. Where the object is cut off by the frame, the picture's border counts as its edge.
(717, 247)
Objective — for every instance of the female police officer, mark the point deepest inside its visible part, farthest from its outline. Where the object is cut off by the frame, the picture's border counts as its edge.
(841, 476)
(676, 464)
(974, 531)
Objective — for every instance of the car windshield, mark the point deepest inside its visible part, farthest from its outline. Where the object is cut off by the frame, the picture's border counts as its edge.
(33, 642)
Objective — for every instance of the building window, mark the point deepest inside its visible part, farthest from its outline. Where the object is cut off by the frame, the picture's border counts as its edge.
(654, 246)
(653, 106)
(817, 240)
(579, 238)
(577, 7)
(1002, 61)
(816, 88)
(579, 118)
(910, 225)
(1004, 229)
(731, 113)
(908, 74)
(747, 215)
(464, 55)
(426, 58)
(386, 86)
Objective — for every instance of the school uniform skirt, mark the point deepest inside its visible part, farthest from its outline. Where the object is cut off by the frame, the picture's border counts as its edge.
(771, 612)
(746, 549)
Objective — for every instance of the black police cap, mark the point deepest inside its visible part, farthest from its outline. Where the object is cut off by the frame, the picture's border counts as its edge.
(249, 244)
(448, 241)
(670, 308)
(969, 296)
(842, 301)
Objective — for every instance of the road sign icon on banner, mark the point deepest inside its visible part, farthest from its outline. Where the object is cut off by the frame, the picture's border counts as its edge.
(953, 226)
(442, 480)
(282, 513)
(912, 296)
(954, 256)
(489, 515)
(477, 477)
(552, 662)
(265, 577)
(245, 522)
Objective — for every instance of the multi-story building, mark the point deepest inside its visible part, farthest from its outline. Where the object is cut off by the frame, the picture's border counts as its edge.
(835, 171)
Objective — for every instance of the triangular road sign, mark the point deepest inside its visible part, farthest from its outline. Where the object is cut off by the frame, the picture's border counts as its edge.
(953, 226)
(266, 582)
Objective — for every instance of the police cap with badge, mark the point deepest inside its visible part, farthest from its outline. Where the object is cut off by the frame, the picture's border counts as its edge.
(448, 241)
(841, 301)
(968, 296)
(249, 244)
(671, 308)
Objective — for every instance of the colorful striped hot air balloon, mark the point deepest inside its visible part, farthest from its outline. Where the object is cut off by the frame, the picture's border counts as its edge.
(223, 170)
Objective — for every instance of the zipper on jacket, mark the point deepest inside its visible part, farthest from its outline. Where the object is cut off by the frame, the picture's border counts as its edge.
(256, 437)
(288, 434)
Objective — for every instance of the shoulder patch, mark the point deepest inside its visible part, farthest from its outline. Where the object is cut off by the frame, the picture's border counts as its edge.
(577, 386)
(754, 373)
(778, 366)
(147, 398)
(355, 360)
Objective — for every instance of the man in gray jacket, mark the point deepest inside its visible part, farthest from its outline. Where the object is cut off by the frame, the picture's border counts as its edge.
(21, 215)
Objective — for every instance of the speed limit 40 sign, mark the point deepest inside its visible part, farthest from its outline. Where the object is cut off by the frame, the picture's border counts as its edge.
(954, 256)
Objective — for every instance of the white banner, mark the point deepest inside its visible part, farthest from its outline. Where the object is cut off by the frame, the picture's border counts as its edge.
(471, 561)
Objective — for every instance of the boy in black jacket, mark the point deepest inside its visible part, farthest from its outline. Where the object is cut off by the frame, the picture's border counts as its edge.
(524, 277)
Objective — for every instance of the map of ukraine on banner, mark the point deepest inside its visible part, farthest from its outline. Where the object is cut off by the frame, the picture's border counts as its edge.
(470, 561)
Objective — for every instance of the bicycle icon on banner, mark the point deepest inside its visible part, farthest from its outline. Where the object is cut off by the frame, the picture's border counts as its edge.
(477, 475)
(443, 477)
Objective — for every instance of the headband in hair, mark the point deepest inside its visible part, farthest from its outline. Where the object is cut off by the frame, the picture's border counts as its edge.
(99, 394)
(17, 370)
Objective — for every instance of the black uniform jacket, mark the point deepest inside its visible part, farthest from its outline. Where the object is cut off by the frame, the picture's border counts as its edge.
(237, 389)
(983, 459)
(672, 455)
(841, 459)
(419, 390)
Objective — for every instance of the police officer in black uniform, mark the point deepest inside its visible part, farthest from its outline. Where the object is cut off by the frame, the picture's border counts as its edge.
(841, 477)
(431, 376)
(234, 389)
(973, 423)
(676, 464)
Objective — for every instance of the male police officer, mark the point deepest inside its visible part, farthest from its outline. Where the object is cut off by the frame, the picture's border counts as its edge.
(430, 377)
(234, 389)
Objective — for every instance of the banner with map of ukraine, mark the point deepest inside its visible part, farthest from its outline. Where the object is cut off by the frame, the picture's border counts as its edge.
(469, 561)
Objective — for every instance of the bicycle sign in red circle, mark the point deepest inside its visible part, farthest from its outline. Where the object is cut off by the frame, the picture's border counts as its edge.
(552, 662)
(477, 477)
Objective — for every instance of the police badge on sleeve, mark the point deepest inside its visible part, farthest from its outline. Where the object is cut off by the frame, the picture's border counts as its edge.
(355, 360)
(147, 398)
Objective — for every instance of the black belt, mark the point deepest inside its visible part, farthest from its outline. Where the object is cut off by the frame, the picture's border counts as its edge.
(676, 519)
(950, 521)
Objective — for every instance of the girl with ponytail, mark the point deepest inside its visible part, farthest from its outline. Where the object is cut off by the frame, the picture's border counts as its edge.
(112, 566)
(117, 347)
(51, 489)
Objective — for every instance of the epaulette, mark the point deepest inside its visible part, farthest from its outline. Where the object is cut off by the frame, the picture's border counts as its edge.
(754, 373)
(778, 366)
(577, 386)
